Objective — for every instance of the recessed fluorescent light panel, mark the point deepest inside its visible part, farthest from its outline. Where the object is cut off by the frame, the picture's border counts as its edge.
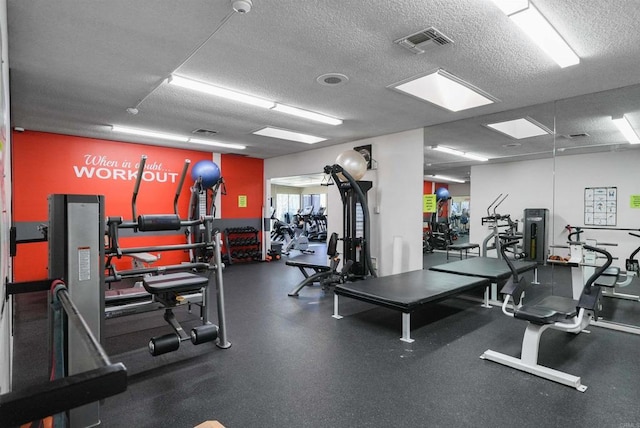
(288, 135)
(207, 88)
(445, 90)
(520, 128)
(509, 7)
(627, 130)
(217, 144)
(444, 178)
(459, 153)
(531, 21)
(294, 111)
(146, 133)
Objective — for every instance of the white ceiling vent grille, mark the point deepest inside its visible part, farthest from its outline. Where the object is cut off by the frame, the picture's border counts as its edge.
(418, 42)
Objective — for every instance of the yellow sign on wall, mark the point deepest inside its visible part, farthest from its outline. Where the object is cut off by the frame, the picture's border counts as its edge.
(635, 201)
(242, 201)
(429, 203)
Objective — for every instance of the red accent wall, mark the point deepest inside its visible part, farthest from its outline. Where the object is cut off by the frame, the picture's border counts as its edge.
(243, 176)
(45, 163)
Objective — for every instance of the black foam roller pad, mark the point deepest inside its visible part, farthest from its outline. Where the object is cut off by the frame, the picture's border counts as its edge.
(154, 222)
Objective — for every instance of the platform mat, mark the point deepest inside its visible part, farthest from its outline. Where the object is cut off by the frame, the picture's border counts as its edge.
(407, 291)
(484, 267)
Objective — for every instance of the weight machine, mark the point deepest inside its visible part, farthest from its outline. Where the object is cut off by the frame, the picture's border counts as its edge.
(496, 222)
(356, 222)
(173, 285)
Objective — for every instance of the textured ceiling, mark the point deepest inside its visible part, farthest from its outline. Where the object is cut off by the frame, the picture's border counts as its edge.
(76, 66)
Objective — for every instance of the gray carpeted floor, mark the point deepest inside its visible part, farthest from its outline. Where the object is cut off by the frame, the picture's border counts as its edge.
(292, 365)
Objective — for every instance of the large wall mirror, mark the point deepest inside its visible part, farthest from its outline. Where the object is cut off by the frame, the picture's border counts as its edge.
(571, 167)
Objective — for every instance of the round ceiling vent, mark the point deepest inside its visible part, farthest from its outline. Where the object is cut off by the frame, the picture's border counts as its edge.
(332, 79)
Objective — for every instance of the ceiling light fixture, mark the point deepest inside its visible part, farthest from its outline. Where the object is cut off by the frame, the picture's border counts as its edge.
(217, 144)
(444, 178)
(459, 153)
(207, 88)
(531, 21)
(146, 133)
(627, 130)
(294, 111)
(520, 128)
(283, 134)
(445, 90)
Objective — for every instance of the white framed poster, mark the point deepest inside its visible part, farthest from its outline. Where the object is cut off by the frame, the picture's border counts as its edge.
(600, 206)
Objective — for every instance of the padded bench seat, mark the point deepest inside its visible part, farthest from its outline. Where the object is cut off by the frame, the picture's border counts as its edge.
(122, 294)
(462, 247)
(303, 265)
(609, 277)
(549, 310)
(177, 282)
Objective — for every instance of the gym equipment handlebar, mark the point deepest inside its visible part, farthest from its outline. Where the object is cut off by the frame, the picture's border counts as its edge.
(59, 395)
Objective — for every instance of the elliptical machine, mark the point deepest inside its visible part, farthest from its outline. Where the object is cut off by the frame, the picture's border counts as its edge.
(293, 236)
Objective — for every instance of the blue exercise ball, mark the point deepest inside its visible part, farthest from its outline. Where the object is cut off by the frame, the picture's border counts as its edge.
(442, 194)
(208, 170)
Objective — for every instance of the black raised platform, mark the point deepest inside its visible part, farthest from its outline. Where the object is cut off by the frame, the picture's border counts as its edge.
(407, 292)
(484, 267)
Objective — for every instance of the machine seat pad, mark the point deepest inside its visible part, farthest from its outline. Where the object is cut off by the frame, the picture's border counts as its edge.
(549, 310)
(608, 278)
(611, 271)
(177, 282)
(317, 268)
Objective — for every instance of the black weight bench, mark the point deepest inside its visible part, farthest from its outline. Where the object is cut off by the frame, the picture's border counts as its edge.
(407, 292)
(167, 290)
(462, 247)
(325, 275)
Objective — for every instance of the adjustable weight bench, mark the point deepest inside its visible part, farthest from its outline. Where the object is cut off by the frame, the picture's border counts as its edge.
(461, 248)
(325, 275)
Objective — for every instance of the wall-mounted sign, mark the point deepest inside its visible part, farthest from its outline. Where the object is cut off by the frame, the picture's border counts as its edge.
(429, 204)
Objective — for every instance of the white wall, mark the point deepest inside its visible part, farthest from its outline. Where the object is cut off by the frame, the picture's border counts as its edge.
(530, 184)
(615, 169)
(6, 340)
(459, 189)
(395, 201)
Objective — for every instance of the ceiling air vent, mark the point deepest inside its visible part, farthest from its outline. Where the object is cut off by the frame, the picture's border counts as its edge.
(418, 42)
(204, 132)
(577, 135)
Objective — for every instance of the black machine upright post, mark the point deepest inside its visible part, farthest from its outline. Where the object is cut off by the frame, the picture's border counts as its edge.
(535, 234)
(353, 227)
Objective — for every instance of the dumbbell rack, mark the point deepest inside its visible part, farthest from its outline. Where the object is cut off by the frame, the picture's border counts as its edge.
(242, 244)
